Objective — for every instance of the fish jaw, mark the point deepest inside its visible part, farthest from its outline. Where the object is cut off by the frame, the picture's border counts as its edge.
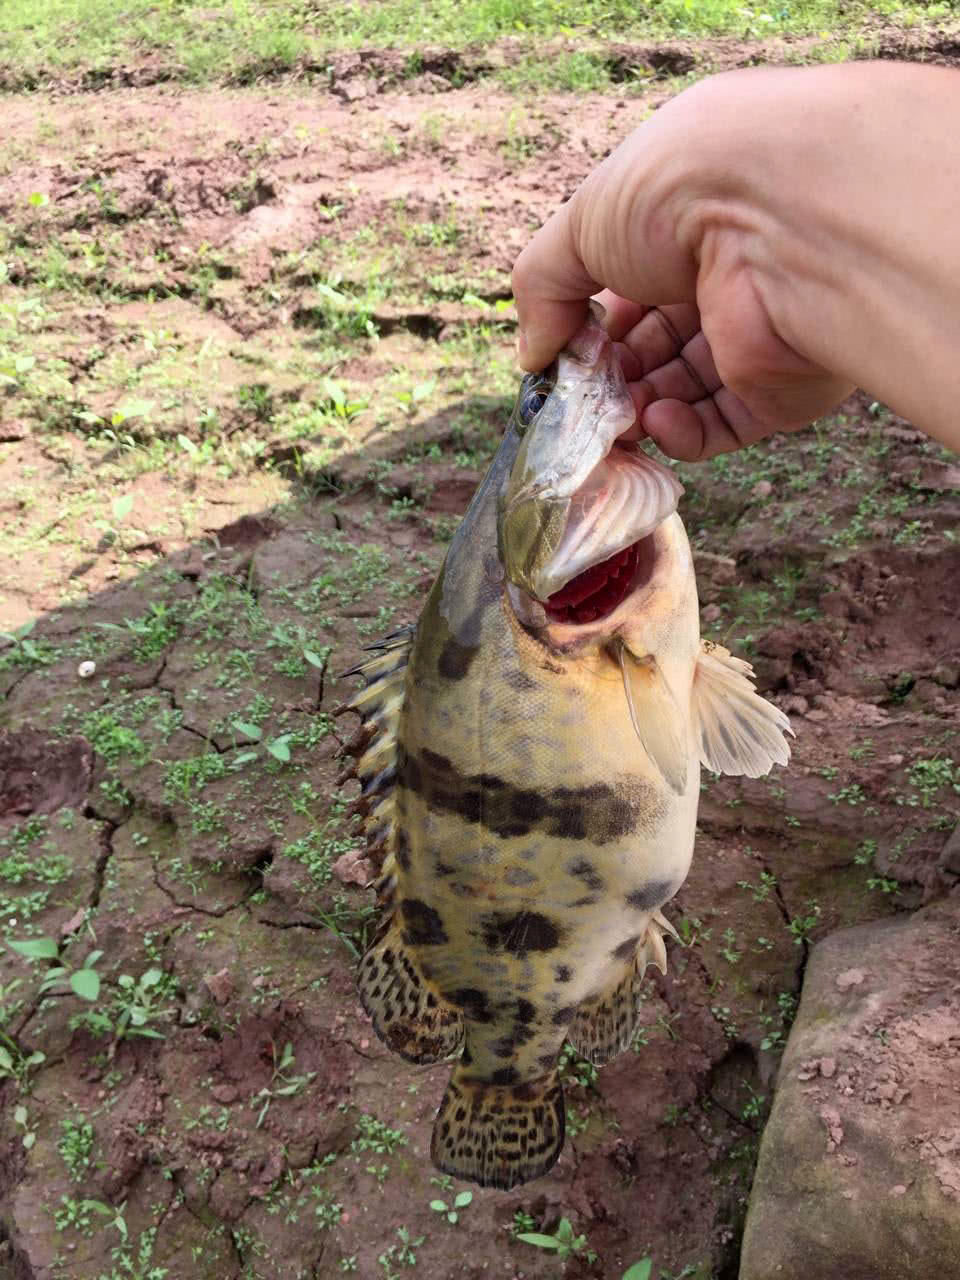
(575, 497)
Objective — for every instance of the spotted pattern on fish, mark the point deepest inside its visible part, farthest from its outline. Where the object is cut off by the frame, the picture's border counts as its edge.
(527, 790)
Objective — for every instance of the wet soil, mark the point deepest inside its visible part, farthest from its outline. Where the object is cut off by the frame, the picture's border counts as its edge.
(267, 357)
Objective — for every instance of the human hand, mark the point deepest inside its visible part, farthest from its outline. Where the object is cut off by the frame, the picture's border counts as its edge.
(671, 218)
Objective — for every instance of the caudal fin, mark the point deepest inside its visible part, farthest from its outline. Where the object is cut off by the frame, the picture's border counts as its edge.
(498, 1135)
(408, 1014)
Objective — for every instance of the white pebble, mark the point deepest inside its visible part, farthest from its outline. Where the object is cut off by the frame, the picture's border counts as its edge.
(86, 670)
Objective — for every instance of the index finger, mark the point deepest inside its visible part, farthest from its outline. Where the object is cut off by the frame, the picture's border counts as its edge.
(551, 286)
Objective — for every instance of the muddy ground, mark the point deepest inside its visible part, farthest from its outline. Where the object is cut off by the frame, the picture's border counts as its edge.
(255, 350)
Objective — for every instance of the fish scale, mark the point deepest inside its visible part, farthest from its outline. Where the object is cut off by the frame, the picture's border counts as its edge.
(538, 783)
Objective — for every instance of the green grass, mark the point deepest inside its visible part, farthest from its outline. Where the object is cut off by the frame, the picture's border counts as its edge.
(243, 40)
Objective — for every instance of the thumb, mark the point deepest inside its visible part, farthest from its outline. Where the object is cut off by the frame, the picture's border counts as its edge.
(551, 286)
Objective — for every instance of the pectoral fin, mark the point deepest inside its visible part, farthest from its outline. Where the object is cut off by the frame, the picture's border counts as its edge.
(656, 717)
(738, 731)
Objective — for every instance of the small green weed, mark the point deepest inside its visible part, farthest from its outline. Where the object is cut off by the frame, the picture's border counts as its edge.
(452, 1211)
(374, 1135)
(576, 1070)
(931, 776)
(563, 1242)
(76, 1145)
(802, 926)
(760, 892)
(282, 1083)
(402, 1254)
(639, 1270)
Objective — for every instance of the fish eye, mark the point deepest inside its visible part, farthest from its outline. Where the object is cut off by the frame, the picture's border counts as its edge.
(532, 401)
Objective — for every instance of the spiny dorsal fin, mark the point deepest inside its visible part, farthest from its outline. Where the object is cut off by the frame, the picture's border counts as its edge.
(656, 717)
(605, 1026)
(408, 1014)
(379, 704)
(498, 1135)
(738, 732)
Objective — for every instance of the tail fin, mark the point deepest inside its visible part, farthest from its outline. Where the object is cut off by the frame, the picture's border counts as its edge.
(408, 1015)
(498, 1135)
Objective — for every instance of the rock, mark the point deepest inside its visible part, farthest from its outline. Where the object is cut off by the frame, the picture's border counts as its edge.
(351, 90)
(926, 473)
(220, 985)
(859, 1167)
(41, 774)
(353, 868)
(762, 489)
(720, 570)
(711, 613)
(949, 859)
(796, 704)
(849, 978)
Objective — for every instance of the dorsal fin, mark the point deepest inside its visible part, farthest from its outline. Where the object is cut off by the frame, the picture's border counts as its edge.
(379, 705)
(738, 732)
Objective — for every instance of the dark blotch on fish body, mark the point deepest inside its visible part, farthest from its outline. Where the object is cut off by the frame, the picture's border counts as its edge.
(525, 1011)
(403, 849)
(473, 1003)
(598, 813)
(651, 895)
(586, 872)
(505, 1075)
(627, 949)
(519, 933)
(519, 681)
(456, 659)
(422, 924)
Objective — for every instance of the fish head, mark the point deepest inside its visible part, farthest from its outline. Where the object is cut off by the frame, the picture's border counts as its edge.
(587, 529)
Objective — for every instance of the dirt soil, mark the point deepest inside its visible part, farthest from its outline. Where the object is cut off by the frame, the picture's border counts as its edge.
(256, 351)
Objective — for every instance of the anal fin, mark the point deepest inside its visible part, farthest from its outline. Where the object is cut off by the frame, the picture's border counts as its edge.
(498, 1135)
(738, 731)
(605, 1025)
(409, 1016)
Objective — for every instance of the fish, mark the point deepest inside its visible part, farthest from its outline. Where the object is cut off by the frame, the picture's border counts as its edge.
(532, 765)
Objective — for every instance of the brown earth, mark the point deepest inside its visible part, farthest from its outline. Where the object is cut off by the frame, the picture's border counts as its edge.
(185, 256)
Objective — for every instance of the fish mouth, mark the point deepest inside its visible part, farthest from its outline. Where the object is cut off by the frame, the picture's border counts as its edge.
(600, 590)
(582, 554)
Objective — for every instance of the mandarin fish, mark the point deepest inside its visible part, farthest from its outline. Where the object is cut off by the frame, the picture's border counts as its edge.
(533, 768)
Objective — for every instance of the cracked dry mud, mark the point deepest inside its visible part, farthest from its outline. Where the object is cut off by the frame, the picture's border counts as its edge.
(182, 809)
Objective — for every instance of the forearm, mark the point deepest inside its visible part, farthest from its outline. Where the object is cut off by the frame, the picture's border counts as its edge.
(846, 219)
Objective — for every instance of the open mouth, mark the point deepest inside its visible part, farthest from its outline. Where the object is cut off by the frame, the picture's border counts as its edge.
(599, 590)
